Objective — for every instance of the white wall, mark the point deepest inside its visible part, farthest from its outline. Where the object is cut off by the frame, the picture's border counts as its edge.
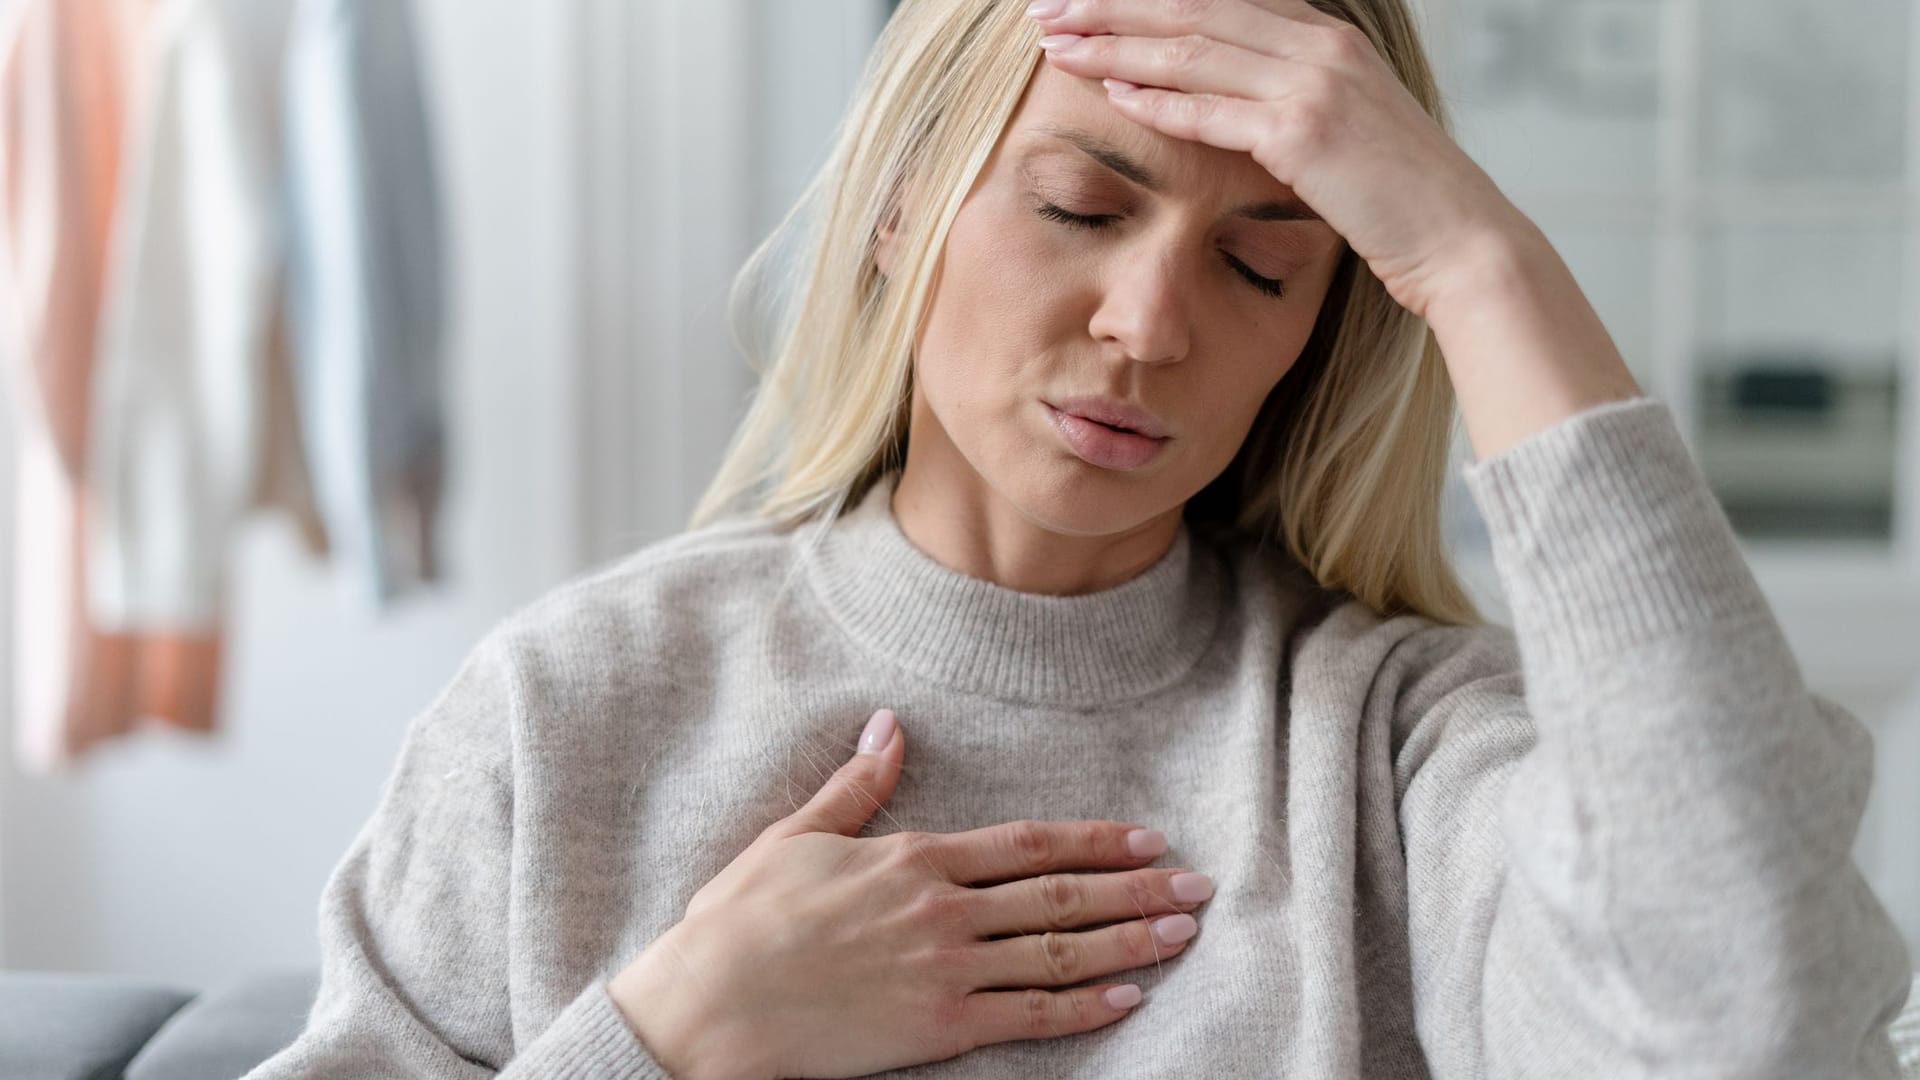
(194, 860)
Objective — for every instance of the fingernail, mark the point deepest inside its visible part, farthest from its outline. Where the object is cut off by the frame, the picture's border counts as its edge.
(1123, 997)
(1120, 86)
(1190, 888)
(1146, 841)
(1175, 929)
(1045, 9)
(1054, 42)
(879, 732)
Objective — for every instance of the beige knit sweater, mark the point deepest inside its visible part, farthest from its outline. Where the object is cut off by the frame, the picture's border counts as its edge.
(1615, 845)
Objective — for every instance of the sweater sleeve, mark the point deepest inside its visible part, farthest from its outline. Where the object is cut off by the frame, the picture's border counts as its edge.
(414, 977)
(1628, 824)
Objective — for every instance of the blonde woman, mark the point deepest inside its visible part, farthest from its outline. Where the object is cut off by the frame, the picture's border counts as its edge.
(1213, 664)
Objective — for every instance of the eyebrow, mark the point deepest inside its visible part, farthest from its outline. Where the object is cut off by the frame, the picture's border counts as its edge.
(1113, 158)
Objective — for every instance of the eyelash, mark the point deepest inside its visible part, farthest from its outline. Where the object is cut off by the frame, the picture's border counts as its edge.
(1100, 221)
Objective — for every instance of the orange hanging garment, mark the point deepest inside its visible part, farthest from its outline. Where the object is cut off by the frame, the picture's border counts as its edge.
(62, 87)
(68, 80)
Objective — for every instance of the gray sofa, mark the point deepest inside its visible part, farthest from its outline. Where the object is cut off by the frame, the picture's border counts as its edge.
(106, 1027)
(57, 1026)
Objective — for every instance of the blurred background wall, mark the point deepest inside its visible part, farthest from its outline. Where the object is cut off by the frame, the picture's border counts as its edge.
(608, 163)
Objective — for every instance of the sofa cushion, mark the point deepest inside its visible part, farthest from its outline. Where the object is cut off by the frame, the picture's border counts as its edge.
(67, 1026)
(230, 1029)
(1906, 1033)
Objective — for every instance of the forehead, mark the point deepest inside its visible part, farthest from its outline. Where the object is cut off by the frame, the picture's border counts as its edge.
(1055, 100)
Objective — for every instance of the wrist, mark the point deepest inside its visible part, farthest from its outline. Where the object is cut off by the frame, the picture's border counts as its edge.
(1492, 262)
(660, 1001)
(1523, 346)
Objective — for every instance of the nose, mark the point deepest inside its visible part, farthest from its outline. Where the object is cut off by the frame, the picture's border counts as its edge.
(1147, 305)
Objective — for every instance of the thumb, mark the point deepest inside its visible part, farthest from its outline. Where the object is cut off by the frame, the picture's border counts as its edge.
(850, 796)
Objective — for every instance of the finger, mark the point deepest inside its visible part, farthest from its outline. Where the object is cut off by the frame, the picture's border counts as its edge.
(847, 801)
(1022, 849)
(1010, 1015)
(1271, 28)
(1195, 65)
(1229, 123)
(1059, 958)
(1068, 901)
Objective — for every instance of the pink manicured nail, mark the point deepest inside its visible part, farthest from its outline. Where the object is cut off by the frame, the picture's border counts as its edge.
(1146, 841)
(1191, 888)
(1054, 42)
(1175, 929)
(1120, 86)
(1123, 997)
(1045, 9)
(879, 732)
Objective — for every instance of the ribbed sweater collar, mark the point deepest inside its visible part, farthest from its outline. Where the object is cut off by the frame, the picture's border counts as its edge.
(970, 634)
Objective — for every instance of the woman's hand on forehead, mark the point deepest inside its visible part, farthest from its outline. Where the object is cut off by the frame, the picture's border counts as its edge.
(1312, 100)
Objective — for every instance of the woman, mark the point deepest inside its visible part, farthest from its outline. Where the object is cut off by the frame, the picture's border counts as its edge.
(1616, 844)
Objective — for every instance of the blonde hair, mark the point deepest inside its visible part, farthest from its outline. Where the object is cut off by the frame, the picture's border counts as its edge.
(1345, 465)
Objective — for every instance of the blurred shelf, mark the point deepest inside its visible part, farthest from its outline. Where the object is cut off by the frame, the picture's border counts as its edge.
(1801, 454)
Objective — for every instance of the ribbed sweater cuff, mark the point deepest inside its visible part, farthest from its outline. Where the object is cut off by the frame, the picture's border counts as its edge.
(589, 1040)
(1606, 534)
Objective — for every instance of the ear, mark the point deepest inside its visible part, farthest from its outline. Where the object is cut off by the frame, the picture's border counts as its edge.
(888, 242)
(886, 246)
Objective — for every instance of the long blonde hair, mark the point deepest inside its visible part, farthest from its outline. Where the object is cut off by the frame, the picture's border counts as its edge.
(1345, 465)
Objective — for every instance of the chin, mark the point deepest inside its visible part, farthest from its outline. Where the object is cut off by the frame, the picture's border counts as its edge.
(1078, 499)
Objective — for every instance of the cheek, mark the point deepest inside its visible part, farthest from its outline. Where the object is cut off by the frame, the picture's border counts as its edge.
(999, 295)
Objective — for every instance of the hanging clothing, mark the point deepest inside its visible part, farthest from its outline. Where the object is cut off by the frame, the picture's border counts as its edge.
(196, 422)
(363, 228)
(62, 102)
(257, 34)
(99, 99)
(177, 441)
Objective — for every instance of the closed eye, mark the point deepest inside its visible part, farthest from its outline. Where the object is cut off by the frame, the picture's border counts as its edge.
(1100, 221)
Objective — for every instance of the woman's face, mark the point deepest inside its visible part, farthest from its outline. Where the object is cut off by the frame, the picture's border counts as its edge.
(1169, 301)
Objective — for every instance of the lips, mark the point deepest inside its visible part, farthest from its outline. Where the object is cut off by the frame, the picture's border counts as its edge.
(1104, 446)
(1115, 414)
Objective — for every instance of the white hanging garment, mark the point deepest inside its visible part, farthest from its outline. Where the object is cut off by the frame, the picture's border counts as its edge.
(180, 390)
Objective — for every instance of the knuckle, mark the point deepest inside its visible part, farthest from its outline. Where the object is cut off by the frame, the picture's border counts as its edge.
(911, 848)
(947, 908)
(1313, 127)
(1319, 85)
(1033, 843)
(1349, 42)
(1079, 1007)
(952, 962)
(1060, 953)
(1184, 53)
(1063, 899)
(1036, 1011)
(949, 1032)
(1298, 124)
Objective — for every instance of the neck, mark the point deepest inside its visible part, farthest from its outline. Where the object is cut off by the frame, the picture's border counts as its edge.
(1022, 540)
